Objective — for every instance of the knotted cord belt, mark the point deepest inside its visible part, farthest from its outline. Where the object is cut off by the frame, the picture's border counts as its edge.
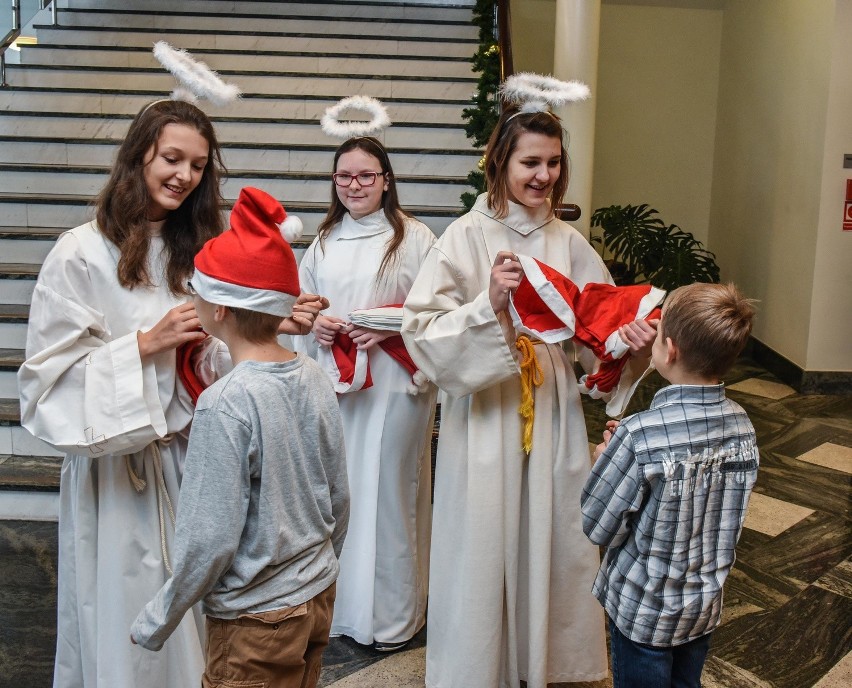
(140, 484)
(531, 376)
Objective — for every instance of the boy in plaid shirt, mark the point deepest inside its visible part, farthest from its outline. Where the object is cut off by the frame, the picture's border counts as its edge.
(668, 493)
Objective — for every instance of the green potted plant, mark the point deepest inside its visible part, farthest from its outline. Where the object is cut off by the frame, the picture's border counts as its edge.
(645, 249)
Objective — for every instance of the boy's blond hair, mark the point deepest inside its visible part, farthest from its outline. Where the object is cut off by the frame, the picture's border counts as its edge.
(710, 325)
(254, 326)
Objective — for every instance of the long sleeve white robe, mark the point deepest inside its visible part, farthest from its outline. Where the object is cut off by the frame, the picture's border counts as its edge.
(384, 567)
(85, 389)
(511, 576)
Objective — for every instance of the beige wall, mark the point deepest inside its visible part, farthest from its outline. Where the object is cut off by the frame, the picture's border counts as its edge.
(732, 120)
(770, 142)
(830, 331)
(656, 111)
(533, 36)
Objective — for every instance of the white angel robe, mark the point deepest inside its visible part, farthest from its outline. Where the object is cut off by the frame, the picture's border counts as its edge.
(384, 567)
(511, 577)
(85, 390)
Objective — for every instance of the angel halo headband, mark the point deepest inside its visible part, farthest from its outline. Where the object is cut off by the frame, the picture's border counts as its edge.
(539, 93)
(195, 79)
(333, 126)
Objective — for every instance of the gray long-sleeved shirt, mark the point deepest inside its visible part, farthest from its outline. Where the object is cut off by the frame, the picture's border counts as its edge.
(264, 501)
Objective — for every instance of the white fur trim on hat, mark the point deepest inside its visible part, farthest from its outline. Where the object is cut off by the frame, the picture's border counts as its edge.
(551, 297)
(332, 126)
(234, 295)
(615, 347)
(539, 93)
(196, 79)
(291, 228)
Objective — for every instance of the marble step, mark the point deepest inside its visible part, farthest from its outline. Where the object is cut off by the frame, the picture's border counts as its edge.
(240, 60)
(30, 473)
(261, 156)
(20, 247)
(223, 39)
(328, 85)
(15, 440)
(289, 187)
(30, 245)
(46, 210)
(79, 125)
(17, 281)
(11, 359)
(9, 378)
(366, 10)
(280, 106)
(331, 25)
(13, 340)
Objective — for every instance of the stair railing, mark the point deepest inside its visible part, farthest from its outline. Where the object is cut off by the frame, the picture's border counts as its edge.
(564, 211)
(504, 38)
(17, 23)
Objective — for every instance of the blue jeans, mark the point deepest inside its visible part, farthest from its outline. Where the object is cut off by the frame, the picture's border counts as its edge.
(645, 666)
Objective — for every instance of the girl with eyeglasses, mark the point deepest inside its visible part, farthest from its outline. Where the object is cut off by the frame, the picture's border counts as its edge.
(367, 254)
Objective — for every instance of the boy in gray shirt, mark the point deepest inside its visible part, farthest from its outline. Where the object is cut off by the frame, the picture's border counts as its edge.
(264, 501)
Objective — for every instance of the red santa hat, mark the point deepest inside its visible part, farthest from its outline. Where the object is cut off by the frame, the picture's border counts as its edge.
(550, 307)
(251, 265)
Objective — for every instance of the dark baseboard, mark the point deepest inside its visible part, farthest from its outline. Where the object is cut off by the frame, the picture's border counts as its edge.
(803, 381)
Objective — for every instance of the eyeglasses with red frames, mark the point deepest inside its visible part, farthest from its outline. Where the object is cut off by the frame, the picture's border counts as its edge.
(364, 178)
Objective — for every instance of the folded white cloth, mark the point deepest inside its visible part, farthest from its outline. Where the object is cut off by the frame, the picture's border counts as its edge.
(381, 318)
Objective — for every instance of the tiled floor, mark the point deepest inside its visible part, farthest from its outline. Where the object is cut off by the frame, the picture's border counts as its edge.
(788, 614)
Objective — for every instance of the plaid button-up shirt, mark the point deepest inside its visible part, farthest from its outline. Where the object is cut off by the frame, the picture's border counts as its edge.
(668, 499)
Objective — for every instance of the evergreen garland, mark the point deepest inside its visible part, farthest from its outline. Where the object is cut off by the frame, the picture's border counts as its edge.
(482, 117)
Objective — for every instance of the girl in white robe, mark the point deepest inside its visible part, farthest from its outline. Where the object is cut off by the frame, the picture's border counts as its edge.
(511, 575)
(367, 254)
(99, 383)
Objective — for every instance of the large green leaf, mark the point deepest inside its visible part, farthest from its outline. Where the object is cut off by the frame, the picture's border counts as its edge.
(651, 251)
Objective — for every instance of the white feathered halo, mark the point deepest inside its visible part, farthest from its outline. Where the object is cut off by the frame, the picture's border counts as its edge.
(196, 79)
(333, 126)
(538, 93)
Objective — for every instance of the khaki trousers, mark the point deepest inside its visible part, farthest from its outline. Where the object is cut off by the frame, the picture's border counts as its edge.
(277, 649)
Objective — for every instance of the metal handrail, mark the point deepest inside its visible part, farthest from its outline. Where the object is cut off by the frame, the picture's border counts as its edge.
(504, 38)
(15, 32)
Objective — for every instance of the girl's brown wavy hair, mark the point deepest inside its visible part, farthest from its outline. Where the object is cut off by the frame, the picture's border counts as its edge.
(123, 203)
(501, 145)
(390, 201)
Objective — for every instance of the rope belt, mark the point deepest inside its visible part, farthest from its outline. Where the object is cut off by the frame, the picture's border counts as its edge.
(140, 484)
(531, 376)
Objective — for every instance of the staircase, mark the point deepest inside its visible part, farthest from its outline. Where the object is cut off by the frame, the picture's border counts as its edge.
(72, 96)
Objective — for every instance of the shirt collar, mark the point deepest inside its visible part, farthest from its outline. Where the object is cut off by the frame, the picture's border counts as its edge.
(688, 394)
(521, 219)
(374, 223)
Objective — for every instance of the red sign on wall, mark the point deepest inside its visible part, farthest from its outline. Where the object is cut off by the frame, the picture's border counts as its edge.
(847, 211)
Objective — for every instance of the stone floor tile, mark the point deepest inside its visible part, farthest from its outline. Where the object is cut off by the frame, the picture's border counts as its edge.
(840, 675)
(763, 388)
(773, 516)
(404, 669)
(830, 455)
